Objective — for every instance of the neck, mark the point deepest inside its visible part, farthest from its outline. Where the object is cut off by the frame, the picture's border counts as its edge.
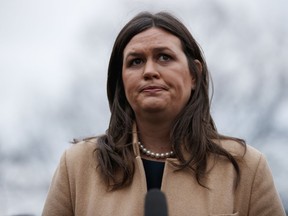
(155, 136)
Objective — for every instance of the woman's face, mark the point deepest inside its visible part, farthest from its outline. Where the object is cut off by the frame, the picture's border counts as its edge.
(155, 73)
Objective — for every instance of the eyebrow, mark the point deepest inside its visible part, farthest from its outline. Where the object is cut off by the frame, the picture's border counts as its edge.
(156, 49)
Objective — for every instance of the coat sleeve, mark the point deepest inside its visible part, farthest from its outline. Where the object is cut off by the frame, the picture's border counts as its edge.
(265, 200)
(58, 201)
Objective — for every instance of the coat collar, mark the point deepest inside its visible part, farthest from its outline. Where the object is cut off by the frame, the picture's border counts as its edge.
(136, 148)
(135, 140)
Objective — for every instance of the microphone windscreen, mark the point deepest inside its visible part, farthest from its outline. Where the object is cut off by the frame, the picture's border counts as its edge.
(155, 203)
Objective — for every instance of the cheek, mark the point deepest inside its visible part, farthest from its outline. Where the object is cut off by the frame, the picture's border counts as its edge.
(126, 81)
(188, 81)
(188, 85)
(126, 88)
(129, 87)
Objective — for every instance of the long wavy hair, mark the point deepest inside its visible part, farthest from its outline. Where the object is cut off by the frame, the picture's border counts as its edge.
(194, 127)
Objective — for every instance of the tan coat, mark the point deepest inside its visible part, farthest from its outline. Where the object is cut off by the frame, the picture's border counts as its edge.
(77, 188)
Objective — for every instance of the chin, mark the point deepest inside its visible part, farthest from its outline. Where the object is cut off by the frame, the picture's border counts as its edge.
(152, 109)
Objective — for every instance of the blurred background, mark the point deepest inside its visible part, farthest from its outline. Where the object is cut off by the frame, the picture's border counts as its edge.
(53, 64)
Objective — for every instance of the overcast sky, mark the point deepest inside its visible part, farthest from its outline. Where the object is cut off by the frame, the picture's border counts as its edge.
(53, 63)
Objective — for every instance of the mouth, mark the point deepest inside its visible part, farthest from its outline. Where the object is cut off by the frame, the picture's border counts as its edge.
(153, 88)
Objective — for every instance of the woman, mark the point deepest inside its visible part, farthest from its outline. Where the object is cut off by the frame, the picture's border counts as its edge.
(161, 135)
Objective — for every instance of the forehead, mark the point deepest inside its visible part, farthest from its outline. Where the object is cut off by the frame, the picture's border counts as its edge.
(152, 38)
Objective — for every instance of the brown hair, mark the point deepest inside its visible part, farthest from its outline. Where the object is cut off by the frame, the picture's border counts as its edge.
(194, 126)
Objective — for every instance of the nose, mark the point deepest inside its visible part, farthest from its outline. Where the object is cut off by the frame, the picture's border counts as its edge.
(150, 71)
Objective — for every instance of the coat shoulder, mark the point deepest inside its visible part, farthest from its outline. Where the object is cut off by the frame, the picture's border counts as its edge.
(242, 151)
(82, 152)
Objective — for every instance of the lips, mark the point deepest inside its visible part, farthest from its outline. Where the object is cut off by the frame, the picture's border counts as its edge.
(153, 88)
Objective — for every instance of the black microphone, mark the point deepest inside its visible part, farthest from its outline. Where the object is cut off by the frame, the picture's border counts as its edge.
(155, 203)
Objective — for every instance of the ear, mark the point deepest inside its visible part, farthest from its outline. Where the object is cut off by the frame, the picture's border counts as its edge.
(198, 65)
(199, 70)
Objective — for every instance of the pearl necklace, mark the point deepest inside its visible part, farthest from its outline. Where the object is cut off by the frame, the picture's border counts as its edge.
(154, 154)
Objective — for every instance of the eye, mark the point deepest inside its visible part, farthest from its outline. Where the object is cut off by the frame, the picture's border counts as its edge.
(135, 62)
(164, 58)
